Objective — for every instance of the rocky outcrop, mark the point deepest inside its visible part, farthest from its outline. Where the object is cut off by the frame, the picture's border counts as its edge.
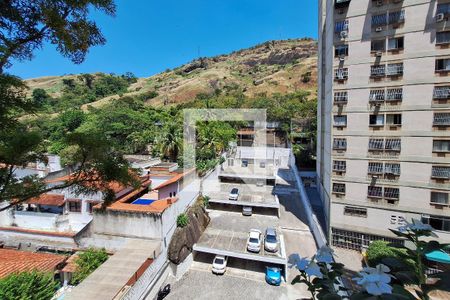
(184, 238)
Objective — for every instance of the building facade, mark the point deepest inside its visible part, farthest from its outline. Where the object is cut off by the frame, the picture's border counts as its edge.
(383, 153)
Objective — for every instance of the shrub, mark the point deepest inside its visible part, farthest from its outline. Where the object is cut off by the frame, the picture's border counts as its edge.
(380, 250)
(204, 200)
(182, 220)
(28, 285)
(87, 262)
(306, 77)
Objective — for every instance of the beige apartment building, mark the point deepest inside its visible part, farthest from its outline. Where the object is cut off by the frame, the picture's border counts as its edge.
(383, 153)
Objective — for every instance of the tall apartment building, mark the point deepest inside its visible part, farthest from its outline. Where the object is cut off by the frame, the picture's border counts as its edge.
(383, 152)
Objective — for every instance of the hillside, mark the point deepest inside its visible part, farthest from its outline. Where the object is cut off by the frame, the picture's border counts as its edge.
(271, 67)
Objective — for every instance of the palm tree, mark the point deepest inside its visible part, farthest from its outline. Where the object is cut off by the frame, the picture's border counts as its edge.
(169, 141)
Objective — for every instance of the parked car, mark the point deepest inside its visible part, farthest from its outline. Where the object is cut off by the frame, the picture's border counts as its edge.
(271, 240)
(234, 194)
(273, 275)
(219, 264)
(247, 210)
(254, 240)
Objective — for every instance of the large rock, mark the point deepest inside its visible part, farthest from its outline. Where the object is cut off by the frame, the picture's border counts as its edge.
(184, 238)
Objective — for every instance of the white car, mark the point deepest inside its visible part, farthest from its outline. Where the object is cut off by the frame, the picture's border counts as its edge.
(219, 264)
(270, 240)
(247, 210)
(254, 241)
(234, 194)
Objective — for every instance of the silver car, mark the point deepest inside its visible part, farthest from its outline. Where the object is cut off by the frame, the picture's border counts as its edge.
(271, 240)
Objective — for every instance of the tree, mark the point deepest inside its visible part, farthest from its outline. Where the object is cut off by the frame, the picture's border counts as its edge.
(28, 285)
(170, 141)
(40, 97)
(87, 262)
(26, 25)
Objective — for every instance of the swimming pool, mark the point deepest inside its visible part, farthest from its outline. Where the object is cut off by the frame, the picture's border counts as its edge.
(141, 201)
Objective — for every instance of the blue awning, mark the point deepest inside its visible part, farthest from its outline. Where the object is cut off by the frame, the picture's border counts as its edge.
(438, 256)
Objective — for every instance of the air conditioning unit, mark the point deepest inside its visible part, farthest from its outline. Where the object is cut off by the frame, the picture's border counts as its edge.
(425, 216)
(344, 34)
(342, 57)
(379, 29)
(379, 53)
(374, 176)
(440, 17)
(340, 77)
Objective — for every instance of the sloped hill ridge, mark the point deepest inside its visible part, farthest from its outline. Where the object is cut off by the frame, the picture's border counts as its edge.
(272, 67)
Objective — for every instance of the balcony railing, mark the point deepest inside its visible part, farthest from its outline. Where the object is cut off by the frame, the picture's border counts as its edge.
(376, 144)
(393, 144)
(379, 20)
(339, 188)
(340, 121)
(397, 17)
(440, 172)
(341, 26)
(394, 94)
(341, 74)
(375, 192)
(339, 165)
(340, 97)
(375, 168)
(441, 92)
(376, 95)
(391, 193)
(340, 144)
(378, 71)
(441, 119)
(392, 169)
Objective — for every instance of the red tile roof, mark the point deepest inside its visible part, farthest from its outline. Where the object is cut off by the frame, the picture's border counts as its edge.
(177, 177)
(48, 199)
(12, 261)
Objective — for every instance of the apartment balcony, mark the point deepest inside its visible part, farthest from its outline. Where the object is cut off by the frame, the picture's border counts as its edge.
(396, 18)
(440, 172)
(394, 70)
(441, 119)
(341, 74)
(442, 38)
(377, 71)
(441, 93)
(340, 98)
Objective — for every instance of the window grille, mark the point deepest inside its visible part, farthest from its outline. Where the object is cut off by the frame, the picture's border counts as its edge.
(341, 73)
(377, 70)
(439, 198)
(393, 169)
(377, 95)
(339, 165)
(442, 65)
(379, 20)
(393, 144)
(355, 211)
(341, 26)
(391, 193)
(440, 172)
(441, 92)
(441, 145)
(339, 188)
(394, 69)
(340, 144)
(397, 17)
(376, 144)
(375, 168)
(441, 119)
(437, 222)
(375, 191)
(394, 94)
(340, 97)
(443, 37)
(340, 120)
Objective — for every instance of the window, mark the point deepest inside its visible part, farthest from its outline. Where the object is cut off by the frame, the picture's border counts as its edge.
(394, 119)
(439, 198)
(339, 188)
(340, 121)
(341, 50)
(391, 193)
(341, 74)
(90, 206)
(376, 95)
(375, 191)
(375, 168)
(394, 69)
(376, 144)
(437, 222)
(379, 20)
(341, 26)
(377, 70)
(441, 119)
(443, 8)
(342, 3)
(442, 65)
(440, 172)
(441, 146)
(441, 92)
(340, 144)
(394, 94)
(378, 45)
(74, 206)
(392, 169)
(393, 144)
(340, 97)
(355, 211)
(395, 43)
(442, 37)
(339, 165)
(376, 120)
(397, 17)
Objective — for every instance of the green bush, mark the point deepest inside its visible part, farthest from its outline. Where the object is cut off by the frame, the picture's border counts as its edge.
(380, 250)
(182, 220)
(204, 200)
(87, 262)
(28, 285)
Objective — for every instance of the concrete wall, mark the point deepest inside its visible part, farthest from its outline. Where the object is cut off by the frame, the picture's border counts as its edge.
(35, 220)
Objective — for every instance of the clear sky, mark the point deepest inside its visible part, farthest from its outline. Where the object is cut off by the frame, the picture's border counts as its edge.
(149, 36)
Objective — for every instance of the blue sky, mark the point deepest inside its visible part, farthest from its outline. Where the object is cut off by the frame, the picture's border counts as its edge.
(149, 36)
